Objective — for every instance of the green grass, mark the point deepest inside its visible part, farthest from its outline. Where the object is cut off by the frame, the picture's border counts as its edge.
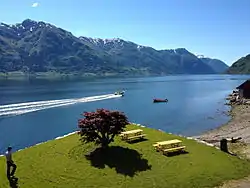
(63, 163)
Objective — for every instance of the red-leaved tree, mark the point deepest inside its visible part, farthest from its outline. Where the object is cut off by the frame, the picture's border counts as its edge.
(101, 126)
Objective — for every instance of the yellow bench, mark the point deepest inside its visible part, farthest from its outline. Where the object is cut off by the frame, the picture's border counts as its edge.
(165, 151)
(135, 137)
(157, 147)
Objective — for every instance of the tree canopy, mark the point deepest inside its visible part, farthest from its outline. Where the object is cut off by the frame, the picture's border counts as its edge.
(101, 126)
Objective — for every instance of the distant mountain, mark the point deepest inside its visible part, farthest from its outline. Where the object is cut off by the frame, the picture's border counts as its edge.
(128, 55)
(217, 65)
(40, 47)
(33, 47)
(241, 66)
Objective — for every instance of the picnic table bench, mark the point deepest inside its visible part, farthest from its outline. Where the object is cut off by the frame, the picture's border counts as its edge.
(169, 146)
(132, 134)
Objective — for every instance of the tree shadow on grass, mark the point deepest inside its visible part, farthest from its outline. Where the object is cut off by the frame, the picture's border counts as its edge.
(137, 140)
(172, 154)
(126, 161)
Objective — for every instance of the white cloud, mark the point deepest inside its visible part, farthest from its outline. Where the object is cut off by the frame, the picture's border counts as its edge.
(35, 5)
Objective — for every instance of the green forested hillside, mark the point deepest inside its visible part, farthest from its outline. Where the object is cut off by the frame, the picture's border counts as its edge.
(242, 66)
(34, 47)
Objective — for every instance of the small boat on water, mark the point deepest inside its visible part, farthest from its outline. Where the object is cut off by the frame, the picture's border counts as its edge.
(120, 93)
(160, 100)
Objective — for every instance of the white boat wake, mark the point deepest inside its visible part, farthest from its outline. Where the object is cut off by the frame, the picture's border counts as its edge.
(23, 108)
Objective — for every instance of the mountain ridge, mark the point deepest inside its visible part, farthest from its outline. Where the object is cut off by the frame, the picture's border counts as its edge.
(216, 64)
(36, 46)
(241, 66)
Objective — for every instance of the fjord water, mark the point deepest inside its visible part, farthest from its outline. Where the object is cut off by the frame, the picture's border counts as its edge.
(196, 104)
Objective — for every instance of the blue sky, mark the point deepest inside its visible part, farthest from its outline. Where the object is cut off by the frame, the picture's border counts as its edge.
(214, 28)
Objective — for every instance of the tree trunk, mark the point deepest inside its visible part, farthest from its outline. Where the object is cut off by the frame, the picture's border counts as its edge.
(105, 142)
(104, 145)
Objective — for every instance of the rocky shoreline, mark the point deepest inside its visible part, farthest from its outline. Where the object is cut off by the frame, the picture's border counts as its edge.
(238, 126)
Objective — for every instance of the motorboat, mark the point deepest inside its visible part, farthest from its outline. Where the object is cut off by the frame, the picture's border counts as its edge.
(160, 100)
(120, 93)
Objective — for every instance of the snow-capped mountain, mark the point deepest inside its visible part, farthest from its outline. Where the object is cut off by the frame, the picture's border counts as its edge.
(36, 46)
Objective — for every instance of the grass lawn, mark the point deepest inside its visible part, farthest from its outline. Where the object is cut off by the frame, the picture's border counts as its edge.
(63, 163)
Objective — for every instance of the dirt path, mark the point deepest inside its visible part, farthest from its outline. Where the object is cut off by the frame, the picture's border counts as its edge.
(243, 183)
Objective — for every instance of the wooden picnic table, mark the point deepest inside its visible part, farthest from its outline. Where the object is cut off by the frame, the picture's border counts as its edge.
(132, 134)
(168, 142)
(169, 146)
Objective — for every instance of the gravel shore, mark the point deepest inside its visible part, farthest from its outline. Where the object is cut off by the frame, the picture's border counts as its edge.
(238, 126)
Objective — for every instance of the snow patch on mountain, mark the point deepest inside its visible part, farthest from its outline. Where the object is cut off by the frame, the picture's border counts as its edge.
(201, 56)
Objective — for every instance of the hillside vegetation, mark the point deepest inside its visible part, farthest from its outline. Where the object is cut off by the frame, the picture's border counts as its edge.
(39, 48)
(241, 66)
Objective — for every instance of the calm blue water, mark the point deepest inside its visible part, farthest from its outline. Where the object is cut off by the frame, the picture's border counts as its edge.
(196, 104)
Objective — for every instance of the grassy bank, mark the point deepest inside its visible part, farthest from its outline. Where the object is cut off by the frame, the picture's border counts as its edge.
(64, 163)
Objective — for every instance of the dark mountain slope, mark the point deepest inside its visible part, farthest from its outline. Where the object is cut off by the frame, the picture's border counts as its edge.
(217, 65)
(33, 47)
(241, 66)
